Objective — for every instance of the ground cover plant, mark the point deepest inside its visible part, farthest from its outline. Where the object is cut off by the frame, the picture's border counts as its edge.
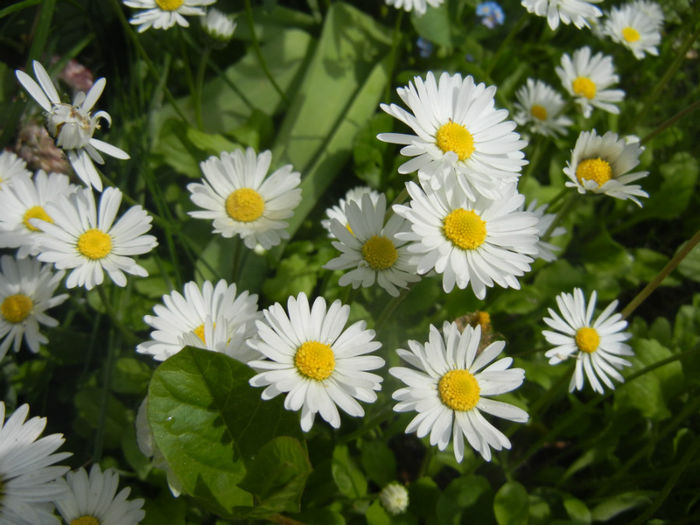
(291, 261)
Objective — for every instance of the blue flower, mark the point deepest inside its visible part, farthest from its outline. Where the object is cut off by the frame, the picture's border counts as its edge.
(491, 14)
(425, 47)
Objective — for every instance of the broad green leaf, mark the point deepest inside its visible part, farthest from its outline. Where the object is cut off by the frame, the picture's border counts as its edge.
(348, 478)
(646, 264)
(88, 403)
(326, 516)
(686, 326)
(210, 143)
(462, 493)
(378, 462)
(423, 496)
(511, 504)
(619, 503)
(130, 376)
(377, 515)
(672, 198)
(558, 277)
(208, 422)
(369, 154)
(270, 19)
(165, 509)
(434, 25)
(539, 511)
(277, 476)
(690, 266)
(293, 275)
(577, 510)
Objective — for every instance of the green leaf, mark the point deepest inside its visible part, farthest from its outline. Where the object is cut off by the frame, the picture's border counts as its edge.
(434, 25)
(211, 143)
(348, 478)
(615, 505)
(369, 154)
(511, 504)
(672, 198)
(207, 422)
(646, 264)
(423, 497)
(277, 476)
(577, 510)
(130, 376)
(539, 511)
(378, 462)
(462, 493)
(690, 266)
(88, 402)
(293, 275)
(376, 515)
(165, 509)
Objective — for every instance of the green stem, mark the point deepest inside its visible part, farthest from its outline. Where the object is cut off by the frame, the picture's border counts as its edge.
(537, 152)
(563, 212)
(199, 85)
(656, 281)
(236, 256)
(128, 334)
(258, 52)
(391, 306)
(505, 43)
(396, 40)
(670, 122)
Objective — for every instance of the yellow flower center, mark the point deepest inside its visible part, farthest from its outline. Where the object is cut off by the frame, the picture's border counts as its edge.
(16, 308)
(199, 332)
(315, 360)
(539, 112)
(596, 169)
(95, 244)
(455, 137)
(459, 390)
(484, 320)
(584, 86)
(245, 205)
(464, 228)
(85, 520)
(169, 5)
(379, 252)
(587, 339)
(35, 212)
(630, 34)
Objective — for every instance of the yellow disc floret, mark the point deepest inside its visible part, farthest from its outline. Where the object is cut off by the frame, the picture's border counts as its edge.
(379, 252)
(16, 308)
(587, 339)
(584, 86)
(630, 34)
(95, 244)
(315, 360)
(539, 112)
(464, 228)
(85, 520)
(455, 137)
(169, 5)
(597, 170)
(199, 332)
(35, 212)
(245, 205)
(459, 390)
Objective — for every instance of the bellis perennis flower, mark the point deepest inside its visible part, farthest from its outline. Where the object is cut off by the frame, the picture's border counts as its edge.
(417, 6)
(164, 14)
(634, 29)
(72, 125)
(579, 12)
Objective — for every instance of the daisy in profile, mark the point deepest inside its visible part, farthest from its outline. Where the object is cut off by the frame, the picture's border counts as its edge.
(602, 164)
(458, 132)
(242, 200)
(11, 167)
(631, 27)
(219, 26)
(313, 359)
(26, 292)
(578, 12)
(24, 201)
(449, 386)
(545, 250)
(417, 6)
(598, 347)
(478, 242)
(94, 500)
(372, 252)
(338, 211)
(231, 317)
(164, 14)
(30, 481)
(587, 79)
(72, 125)
(539, 107)
(87, 240)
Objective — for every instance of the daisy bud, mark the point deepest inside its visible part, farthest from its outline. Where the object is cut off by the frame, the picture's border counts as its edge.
(394, 498)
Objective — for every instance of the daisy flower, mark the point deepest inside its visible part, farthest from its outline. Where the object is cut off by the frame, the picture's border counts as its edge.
(478, 242)
(338, 211)
(545, 250)
(242, 200)
(601, 164)
(26, 292)
(418, 6)
(91, 244)
(651, 9)
(318, 363)
(632, 28)
(72, 125)
(370, 249)
(11, 167)
(457, 129)
(218, 26)
(587, 78)
(164, 14)
(25, 201)
(448, 386)
(234, 315)
(579, 12)
(539, 107)
(94, 500)
(29, 481)
(597, 347)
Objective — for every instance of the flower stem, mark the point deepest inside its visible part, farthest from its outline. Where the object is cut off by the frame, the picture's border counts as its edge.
(671, 121)
(505, 43)
(391, 306)
(563, 212)
(656, 281)
(199, 84)
(396, 40)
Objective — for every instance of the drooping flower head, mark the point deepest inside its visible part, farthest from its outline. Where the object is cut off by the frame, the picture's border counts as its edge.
(587, 79)
(602, 164)
(72, 125)
(164, 14)
(448, 384)
(578, 12)
(597, 346)
(539, 107)
(458, 134)
(313, 359)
